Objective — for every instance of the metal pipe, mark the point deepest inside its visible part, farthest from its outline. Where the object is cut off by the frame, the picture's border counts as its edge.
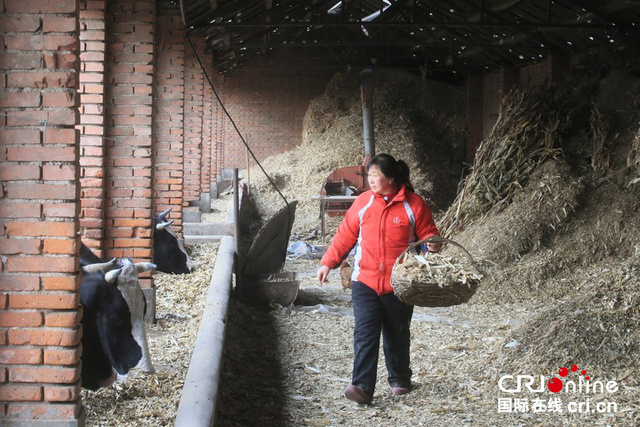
(367, 111)
(236, 211)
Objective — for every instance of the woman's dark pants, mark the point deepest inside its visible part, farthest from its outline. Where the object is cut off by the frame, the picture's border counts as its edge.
(374, 314)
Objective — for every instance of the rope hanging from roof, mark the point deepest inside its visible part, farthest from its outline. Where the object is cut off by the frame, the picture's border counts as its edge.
(233, 123)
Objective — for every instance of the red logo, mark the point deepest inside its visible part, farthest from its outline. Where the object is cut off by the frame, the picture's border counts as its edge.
(555, 384)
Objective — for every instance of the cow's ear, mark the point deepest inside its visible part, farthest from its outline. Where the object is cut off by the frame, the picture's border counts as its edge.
(99, 266)
(145, 266)
(161, 226)
(112, 275)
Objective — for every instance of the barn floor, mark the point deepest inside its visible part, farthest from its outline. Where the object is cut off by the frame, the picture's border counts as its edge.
(289, 366)
(550, 208)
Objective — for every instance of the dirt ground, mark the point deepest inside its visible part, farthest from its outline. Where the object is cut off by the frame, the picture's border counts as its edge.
(289, 366)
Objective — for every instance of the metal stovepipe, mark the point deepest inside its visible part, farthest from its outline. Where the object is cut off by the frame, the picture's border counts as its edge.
(367, 112)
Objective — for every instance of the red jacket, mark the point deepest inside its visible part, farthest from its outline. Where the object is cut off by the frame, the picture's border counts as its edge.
(381, 232)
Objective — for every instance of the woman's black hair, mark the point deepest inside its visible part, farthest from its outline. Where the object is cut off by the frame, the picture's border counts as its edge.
(392, 168)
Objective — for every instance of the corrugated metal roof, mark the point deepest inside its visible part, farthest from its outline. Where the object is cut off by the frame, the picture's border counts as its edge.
(435, 36)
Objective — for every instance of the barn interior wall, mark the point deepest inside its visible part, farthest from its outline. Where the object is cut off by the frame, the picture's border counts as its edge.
(168, 114)
(91, 127)
(39, 209)
(485, 93)
(474, 116)
(193, 120)
(207, 128)
(268, 109)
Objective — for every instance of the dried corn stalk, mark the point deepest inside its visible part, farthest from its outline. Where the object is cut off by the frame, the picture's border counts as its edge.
(434, 280)
(435, 268)
(523, 137)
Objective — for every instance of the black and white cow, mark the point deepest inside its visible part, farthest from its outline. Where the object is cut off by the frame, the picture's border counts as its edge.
(113, 332)
(168, 251)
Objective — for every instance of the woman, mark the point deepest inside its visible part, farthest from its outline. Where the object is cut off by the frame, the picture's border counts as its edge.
(381, 223)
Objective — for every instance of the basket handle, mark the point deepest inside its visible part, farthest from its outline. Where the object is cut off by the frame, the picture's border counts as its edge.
(434, 239)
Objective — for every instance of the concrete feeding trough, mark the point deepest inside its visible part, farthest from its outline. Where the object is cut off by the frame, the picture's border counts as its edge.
(259, 283)
(275, 288)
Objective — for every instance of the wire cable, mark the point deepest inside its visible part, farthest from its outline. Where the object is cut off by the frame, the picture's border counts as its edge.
(226, 112)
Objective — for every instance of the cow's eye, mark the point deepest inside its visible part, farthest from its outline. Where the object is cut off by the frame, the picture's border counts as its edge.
(117, 321)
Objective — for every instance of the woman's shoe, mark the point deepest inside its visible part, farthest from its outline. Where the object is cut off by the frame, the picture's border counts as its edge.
(399, 391)
(356, 394)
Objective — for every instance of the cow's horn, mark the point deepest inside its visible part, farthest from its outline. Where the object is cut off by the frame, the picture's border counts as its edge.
(163, 215)
(112, 275)
(145, 266)
(161, 226)
(99, 266)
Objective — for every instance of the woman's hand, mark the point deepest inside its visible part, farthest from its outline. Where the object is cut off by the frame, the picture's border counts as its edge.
(323, 272)
(434, 247)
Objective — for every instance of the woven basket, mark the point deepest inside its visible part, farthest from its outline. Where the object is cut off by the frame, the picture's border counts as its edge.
(459, 289)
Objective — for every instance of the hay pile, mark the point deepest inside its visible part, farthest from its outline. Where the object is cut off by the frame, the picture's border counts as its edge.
(536, 210)
(525, 135)
(633, 160)
(562, 211)
(421, 122)
(604, 322)
(558, 221)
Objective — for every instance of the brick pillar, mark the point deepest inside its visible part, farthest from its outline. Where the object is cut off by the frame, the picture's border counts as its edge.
(217, 131)
(207, 122)
(474, 116)
(92, 149)
(193, 97)
(169, 112)
(39, 332)
(128, 125)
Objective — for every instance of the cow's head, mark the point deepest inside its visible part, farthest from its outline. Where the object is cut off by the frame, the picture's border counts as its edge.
(168, 251)
(113, 325)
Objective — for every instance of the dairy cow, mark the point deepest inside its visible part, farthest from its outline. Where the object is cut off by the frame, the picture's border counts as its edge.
(113, 304)
(168, 252)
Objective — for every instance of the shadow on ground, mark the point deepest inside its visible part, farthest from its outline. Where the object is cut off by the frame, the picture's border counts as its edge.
(251, 380)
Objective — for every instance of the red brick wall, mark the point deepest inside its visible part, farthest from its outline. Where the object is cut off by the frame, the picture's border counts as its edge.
(491, 88)
(169, 114)
(193, 103)
(39, 205)
(207, 126)
(217, 128)
(267, 107)
(128, 127)
(92, 149)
